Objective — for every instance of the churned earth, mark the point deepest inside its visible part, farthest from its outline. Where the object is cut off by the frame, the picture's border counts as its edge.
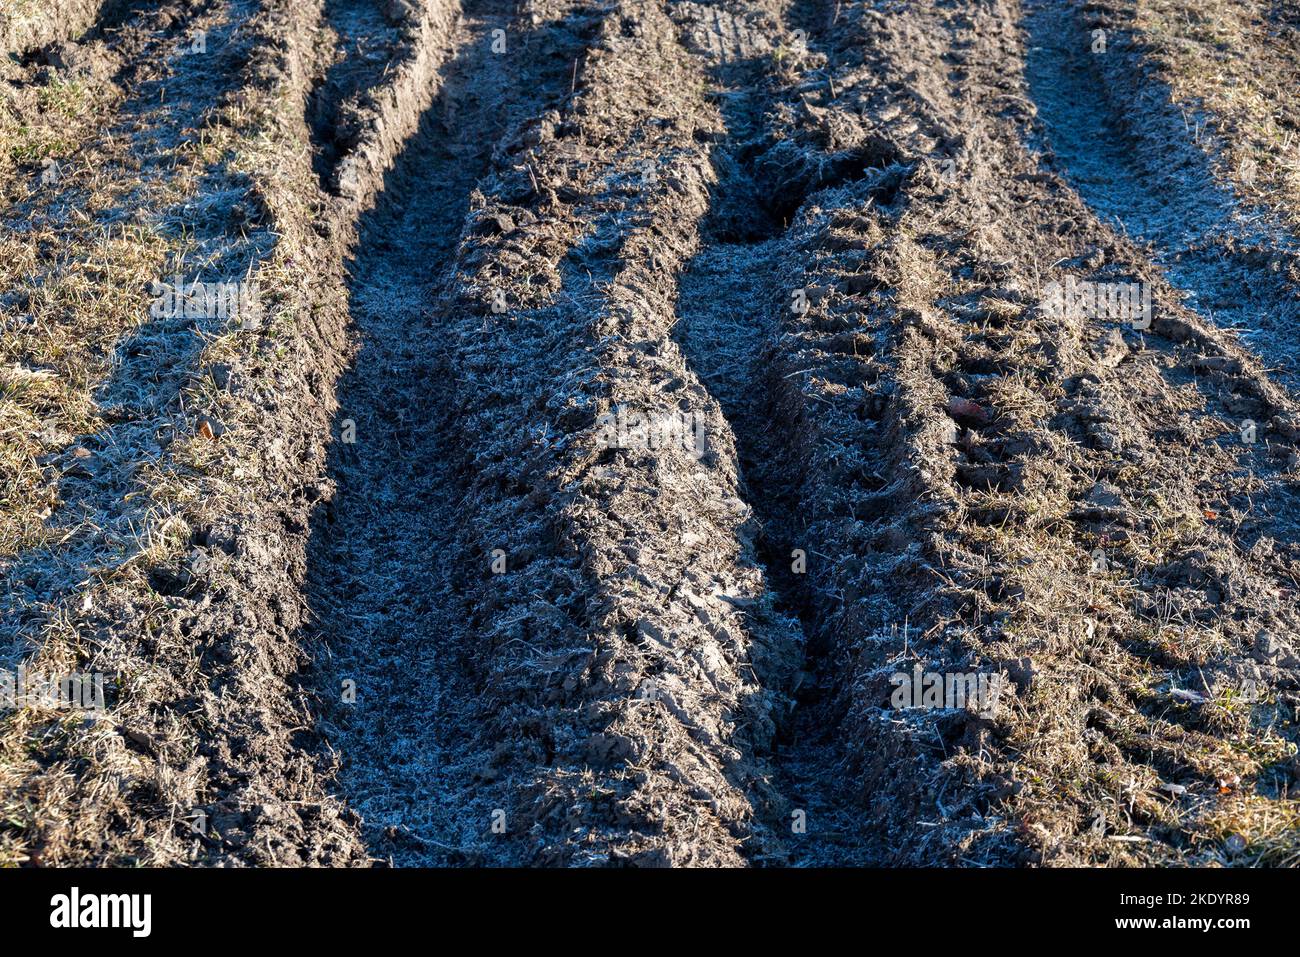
(612, 405)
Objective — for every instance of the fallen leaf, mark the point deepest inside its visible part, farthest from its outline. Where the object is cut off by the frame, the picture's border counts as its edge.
(210, 428)
(965, 409)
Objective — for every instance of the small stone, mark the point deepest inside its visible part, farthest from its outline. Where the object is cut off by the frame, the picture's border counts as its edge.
(817, 294)
(1266, 647)
(200, 563)
(1104, 495)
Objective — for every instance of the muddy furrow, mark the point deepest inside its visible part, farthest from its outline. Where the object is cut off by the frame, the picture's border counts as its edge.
(364, 40)
(779, 167)
(380, 80)
(963, 455)
(842, 443)
(614, 637)
(727, 320)
(384, 553)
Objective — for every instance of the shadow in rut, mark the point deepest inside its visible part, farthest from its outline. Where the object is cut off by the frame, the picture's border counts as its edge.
(384, 552)
(727, 317)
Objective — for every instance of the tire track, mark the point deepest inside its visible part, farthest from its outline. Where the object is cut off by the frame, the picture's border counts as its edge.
(921, 288)
(728, 320)
(1111, 139)
(618, 660)
(380, 550)
(385, 548)
(815, 234)
(368, 103)
(364, 38)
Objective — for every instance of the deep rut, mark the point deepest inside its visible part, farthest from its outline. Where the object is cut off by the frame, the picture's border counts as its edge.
(724, 328)
(363, 38)
(383, 547)
(729, 316)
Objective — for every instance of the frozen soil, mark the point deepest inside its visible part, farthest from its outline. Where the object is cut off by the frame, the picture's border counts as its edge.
(382, 566)
(1116, 136)
(370, 577)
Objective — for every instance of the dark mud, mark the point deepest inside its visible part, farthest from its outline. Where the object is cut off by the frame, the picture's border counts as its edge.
(729, 316)
(364, 42)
